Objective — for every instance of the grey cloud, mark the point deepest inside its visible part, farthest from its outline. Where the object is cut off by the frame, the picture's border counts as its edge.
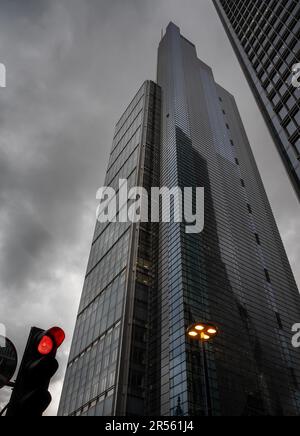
(25, 240)
(31, 9)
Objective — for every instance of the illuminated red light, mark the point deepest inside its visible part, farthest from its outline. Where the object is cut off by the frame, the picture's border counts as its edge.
(45, 346)
(58, 335)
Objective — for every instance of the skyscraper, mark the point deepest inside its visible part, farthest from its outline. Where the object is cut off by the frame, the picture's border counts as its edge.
(265, 35)
(146, 283)
(110, 357)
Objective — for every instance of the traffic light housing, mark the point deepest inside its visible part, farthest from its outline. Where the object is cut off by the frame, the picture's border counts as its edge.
(30, 396)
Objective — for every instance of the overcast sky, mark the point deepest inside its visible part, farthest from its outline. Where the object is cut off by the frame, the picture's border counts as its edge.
(72, 67)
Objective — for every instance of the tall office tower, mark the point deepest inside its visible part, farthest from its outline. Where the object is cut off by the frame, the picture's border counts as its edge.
(112, 360)
(147, 283)
(265, 35)
(235, 273)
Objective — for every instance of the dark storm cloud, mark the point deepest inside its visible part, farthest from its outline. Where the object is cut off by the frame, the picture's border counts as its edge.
(72, 66)
(26, 8)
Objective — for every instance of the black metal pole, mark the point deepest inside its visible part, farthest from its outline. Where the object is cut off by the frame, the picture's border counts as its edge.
(206, 380)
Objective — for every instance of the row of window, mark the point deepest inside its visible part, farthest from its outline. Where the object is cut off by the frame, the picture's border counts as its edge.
(104, 271)
(99, 315)
(93, 372)
(273, 50)
(132, 106)
(257, 238)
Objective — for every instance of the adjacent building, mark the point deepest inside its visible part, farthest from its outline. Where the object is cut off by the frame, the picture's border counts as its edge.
(265, 35)
(147, 282)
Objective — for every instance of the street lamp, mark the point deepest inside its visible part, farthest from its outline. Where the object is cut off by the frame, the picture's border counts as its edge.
(203, 333)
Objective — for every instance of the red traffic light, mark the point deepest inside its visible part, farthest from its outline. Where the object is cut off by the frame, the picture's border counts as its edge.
(31, 396)
(58, 335)
(51, 340)
(45, 346)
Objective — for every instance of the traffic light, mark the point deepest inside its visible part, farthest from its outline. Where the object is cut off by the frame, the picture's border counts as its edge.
(30, 396)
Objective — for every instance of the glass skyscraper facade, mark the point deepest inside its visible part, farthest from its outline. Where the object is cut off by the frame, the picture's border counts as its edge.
(108, 359)
(265, 35)
(146, 283)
